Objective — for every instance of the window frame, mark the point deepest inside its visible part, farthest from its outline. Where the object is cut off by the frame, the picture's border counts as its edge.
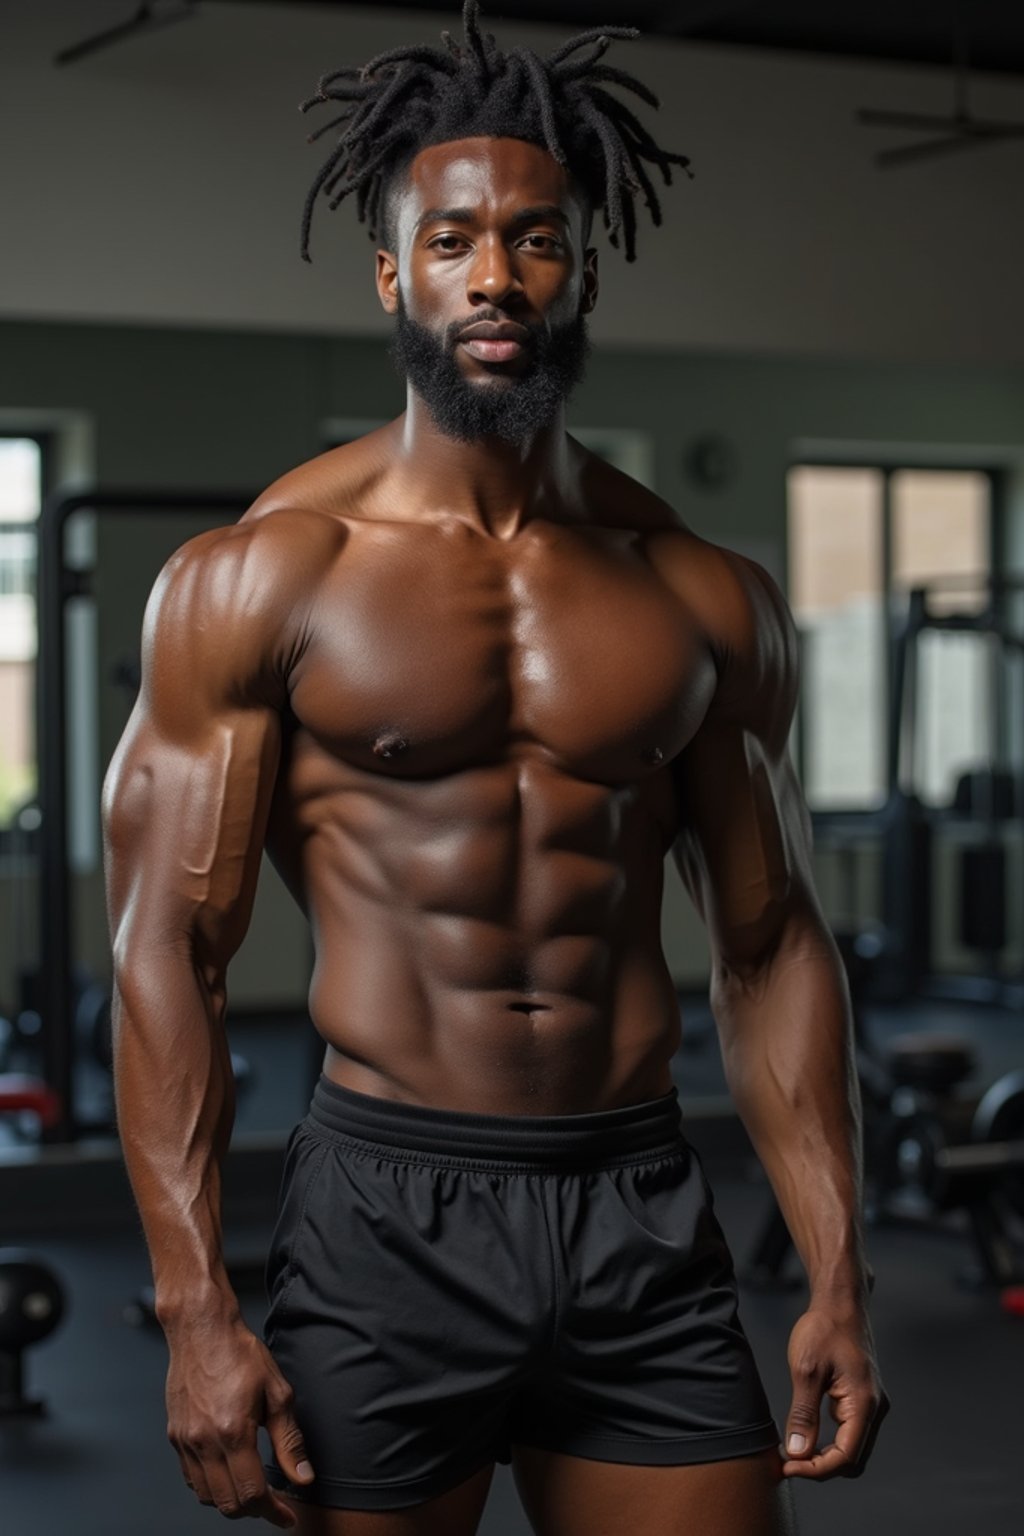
(888, 465)
(44, 441)
(13, 840)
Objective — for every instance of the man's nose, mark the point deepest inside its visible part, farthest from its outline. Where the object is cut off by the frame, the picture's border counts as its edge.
(493, 277)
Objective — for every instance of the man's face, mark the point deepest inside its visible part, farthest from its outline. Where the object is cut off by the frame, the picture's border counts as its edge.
(490, 285)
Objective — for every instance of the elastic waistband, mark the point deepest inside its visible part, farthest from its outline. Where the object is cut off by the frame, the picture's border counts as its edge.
(603, 1135)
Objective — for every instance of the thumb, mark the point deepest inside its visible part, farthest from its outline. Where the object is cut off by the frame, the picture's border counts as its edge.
(801, 1435)
(289, 1446)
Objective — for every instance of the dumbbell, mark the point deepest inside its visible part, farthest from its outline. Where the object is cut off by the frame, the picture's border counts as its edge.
(32, 1303)
(942, 1147)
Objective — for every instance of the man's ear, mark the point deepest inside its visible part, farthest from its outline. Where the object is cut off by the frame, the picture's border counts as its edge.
(387, 281)
(591, 282)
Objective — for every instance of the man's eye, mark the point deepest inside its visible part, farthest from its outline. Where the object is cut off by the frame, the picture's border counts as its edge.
(446, 242)
(543, 241)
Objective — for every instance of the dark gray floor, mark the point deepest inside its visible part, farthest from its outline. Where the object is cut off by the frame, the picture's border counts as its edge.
(948, 1462)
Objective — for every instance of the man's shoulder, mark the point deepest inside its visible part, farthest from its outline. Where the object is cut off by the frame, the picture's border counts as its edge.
(723, 587)
(322, 491)
(283, 545)
(235, 598)
(738, 607)
(731, 596)
(256, 567)
(718, 583)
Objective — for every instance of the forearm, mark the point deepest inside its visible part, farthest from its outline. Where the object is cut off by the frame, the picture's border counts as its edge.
(787, 1047)
(175, 1105)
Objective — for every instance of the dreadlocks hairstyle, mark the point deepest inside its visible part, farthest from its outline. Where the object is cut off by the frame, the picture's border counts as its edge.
(408, 98)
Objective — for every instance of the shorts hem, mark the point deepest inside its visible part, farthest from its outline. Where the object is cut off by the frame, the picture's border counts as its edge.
(396, 1493)
(681, 1450)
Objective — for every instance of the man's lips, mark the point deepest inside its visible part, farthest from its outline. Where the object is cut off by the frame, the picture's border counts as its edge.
(494, 343)
(491, 351)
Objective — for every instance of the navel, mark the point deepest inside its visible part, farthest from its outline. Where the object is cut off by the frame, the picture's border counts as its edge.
(389, 744)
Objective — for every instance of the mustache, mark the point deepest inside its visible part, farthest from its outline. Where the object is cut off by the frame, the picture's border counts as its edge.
(426, 359)
(534, 332)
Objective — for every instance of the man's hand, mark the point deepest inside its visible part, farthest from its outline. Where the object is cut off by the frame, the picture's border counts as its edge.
(221, 1385)
(831, 1351)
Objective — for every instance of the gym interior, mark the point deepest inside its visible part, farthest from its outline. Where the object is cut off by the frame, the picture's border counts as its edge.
(818, 361)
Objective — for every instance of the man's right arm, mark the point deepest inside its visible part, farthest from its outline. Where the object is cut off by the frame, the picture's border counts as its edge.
(185, 805)
(185, 801)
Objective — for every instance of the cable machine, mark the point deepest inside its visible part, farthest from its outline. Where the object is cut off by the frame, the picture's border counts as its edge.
(982, 817)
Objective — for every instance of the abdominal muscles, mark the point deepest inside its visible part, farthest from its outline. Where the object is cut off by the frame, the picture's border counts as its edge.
(489, 940)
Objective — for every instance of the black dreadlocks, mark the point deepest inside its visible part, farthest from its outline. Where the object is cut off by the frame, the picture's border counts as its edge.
(408, 98)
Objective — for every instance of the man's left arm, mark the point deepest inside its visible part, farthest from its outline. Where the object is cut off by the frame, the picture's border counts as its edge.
(781, 1004)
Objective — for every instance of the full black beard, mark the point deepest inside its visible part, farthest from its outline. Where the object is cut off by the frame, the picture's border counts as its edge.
(514, 408)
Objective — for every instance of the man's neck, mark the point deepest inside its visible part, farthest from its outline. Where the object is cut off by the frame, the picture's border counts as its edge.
(495, 485)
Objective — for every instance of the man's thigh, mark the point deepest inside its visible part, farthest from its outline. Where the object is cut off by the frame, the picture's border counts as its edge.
(574, 1496)
(454, 1513)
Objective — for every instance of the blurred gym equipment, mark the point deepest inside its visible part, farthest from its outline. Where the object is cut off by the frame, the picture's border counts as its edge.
(929, 1147)
(32, 1303)
(978, 828)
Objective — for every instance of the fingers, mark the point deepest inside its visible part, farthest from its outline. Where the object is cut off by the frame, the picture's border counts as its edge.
(214, 1416)
(195, 1477)
(882, 1409)
(231, 1479)
(802, 1422)
(831, 1461)
(848, 1453)
(286, 1436)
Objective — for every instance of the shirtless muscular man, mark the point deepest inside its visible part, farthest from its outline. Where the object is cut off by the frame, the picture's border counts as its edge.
(469, 685)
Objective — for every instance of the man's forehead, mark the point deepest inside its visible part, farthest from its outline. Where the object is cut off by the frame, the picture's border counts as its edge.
(475, 171)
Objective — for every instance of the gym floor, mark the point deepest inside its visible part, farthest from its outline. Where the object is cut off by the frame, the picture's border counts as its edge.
(946, 1460)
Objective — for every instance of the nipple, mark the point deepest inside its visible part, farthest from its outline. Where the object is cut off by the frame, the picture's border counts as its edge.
(653, 755)
(389, 744)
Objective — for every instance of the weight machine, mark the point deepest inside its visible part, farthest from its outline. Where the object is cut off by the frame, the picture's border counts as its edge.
(978, 822)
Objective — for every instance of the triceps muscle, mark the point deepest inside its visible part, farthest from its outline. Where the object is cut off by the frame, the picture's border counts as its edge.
(184, 828)
(227, 798)
(735, 850)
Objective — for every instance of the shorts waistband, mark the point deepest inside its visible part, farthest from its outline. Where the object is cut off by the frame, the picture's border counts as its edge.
(598, 1136)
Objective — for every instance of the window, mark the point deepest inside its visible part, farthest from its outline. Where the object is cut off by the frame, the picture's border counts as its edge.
(22, 477)
(860, 537)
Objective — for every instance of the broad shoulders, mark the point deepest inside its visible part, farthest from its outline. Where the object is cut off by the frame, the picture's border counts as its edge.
(238, 597)
(257, 567)
(298, 525)
(729, 594)
(284, 542)
(745, 620)
(734, 598)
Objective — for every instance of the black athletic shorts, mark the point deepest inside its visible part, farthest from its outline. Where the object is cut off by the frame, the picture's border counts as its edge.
(445, 1283)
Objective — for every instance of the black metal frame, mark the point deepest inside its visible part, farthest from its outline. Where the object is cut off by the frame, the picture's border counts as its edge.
(58, 583)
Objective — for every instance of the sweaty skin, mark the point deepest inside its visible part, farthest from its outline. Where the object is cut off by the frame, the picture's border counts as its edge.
(469, 696)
